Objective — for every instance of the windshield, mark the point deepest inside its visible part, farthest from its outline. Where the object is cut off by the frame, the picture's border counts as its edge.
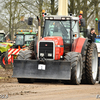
(2, 38)
(61, 28)
(57, 28)
(29, 37)
(19, 39)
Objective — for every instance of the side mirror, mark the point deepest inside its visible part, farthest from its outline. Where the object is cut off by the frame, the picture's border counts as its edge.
(82, 22)
(30, 21)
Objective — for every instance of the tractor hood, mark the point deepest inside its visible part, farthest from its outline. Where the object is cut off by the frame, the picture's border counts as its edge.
(57, 39)
(5, 46)
(58, 47)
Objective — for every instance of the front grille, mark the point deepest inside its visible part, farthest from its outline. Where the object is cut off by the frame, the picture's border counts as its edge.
(46, 48)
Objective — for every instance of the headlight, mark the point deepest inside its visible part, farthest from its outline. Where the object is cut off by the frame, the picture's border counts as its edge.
(41, 54)
(50, 54)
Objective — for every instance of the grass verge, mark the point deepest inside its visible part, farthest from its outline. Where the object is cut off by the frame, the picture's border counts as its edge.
(0, 66)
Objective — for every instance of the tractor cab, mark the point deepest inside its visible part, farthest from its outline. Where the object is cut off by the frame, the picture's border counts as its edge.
(61, 26)
(23, 38)
(65, 27)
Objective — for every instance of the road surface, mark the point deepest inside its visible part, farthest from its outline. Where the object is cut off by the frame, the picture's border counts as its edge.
(46, 90)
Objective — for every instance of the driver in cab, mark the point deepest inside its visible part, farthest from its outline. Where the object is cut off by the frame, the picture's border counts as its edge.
(20, 40)
(60, 30)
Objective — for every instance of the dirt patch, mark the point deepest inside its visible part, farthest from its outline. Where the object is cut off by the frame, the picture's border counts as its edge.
(45, 90)
(6, 75)
(48, 91)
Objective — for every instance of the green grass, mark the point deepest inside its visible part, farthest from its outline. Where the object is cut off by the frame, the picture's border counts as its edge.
(0, 66)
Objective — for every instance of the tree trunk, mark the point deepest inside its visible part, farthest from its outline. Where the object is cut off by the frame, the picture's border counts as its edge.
(96, 12)
(85, 11)
(52, 7)
(10, 15)
(72, 6)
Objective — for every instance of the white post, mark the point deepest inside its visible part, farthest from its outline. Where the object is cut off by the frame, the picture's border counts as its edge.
(63, 7)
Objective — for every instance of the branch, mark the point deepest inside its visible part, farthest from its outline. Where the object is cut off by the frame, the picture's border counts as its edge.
(90, 14)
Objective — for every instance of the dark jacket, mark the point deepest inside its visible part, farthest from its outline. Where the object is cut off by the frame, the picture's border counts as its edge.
(92, 37)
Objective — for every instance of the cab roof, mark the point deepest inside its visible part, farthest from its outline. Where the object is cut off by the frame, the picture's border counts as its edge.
(2, 31)
(58, 17)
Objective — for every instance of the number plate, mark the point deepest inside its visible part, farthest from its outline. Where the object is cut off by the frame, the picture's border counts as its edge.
(41, 67)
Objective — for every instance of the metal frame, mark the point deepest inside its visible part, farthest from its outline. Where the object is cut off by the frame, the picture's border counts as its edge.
(70, 34)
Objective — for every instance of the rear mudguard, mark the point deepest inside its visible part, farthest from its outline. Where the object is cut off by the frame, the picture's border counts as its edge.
(79, 45)
(60, 70)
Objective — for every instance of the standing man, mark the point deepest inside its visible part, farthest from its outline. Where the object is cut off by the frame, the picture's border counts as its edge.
(92, 35)
(80, 16)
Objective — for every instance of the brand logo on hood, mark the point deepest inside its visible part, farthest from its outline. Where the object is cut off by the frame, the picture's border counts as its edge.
(46, 45)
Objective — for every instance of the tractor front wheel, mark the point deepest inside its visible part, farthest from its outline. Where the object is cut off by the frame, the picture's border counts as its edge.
(76, 66)
(31, 46)
(4, 59)
(25, 55)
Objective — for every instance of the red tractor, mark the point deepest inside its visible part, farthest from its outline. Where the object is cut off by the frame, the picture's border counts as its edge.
(61, 54)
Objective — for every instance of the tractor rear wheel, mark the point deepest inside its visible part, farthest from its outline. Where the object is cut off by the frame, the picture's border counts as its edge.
(31, 46)
(4, 59)
(76, 66)
(25, 55)
(20, 55)
(84, 64)
(92, 64)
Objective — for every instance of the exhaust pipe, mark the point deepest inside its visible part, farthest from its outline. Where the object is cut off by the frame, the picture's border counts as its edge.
(39, 28)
